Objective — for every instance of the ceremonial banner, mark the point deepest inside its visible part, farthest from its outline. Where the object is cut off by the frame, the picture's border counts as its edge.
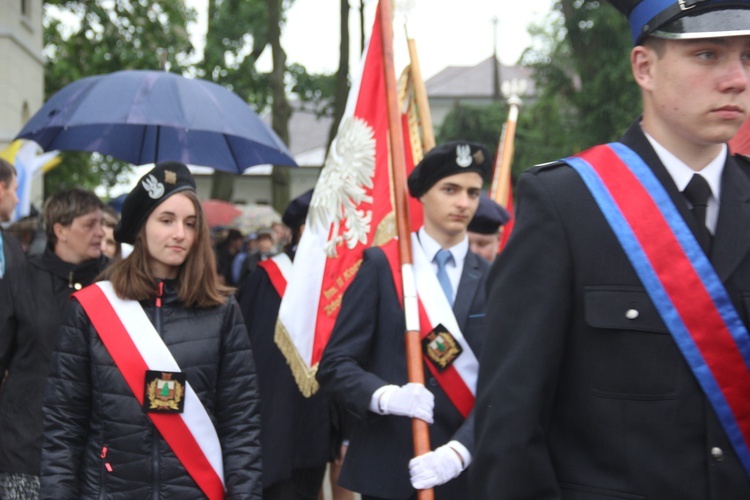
(351, 210)
(29, 161)
(679, 279)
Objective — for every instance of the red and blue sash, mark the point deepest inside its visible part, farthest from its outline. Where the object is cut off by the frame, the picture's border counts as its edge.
(679, 279)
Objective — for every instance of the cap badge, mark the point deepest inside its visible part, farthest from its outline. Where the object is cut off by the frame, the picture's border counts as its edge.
(463, 155)
(170, 177)
(154, 188)
(478, 156)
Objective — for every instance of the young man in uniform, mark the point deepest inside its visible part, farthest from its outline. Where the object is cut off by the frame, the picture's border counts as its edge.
(364, 364)
(484, 229)
(610, 367)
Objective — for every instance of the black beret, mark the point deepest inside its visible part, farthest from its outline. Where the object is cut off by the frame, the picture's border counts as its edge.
(296, 212)
(685, 19)
(164, 180)
(489, 216)
(447, 159)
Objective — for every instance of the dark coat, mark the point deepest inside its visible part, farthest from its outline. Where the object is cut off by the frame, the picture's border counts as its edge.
(88, 405)
(367, 351)
(14, 255)
(575, 400)
(295, 431)
(32, 307)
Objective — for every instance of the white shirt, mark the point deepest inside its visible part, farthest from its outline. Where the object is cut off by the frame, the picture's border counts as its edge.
(454, 268)
(681, 175)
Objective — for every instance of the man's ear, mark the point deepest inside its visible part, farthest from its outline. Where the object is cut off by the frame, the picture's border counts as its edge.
(642, 64)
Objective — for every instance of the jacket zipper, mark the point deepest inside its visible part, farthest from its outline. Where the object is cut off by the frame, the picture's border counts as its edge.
(106, 468)
(154, 431)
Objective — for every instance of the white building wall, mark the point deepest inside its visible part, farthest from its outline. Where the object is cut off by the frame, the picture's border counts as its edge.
(22, 78)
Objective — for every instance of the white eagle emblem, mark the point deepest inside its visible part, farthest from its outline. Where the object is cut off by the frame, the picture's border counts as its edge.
(154, 188)
(463, 155)
(348, 170)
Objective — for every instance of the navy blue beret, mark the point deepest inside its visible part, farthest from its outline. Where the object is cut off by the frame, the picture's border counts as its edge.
(448, 159)
(489, 217)
(161, 182)
(296, 212)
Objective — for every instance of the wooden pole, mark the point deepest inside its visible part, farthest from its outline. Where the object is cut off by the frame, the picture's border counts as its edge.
(501, 175)
(420, 92)
(415, 368)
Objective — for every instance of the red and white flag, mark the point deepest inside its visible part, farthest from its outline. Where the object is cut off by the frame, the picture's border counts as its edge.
(351, 210)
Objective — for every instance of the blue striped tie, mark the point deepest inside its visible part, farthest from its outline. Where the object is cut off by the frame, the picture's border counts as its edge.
(442, 258)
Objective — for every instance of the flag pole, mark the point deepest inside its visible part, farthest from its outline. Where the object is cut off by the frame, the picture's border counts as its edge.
(501, 176)
(420, 92)
(414, 365)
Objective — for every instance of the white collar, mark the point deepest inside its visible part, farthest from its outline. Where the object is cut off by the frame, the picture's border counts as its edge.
(681, 173)
(430, 247)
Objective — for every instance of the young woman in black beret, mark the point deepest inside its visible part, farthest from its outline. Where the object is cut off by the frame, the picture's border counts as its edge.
(153, 392)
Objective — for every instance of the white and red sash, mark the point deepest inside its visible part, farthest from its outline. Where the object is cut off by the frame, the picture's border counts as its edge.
(278, 268)
(135, 347)
(459, 380)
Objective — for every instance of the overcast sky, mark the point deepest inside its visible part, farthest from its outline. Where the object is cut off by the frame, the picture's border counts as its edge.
(447, 32)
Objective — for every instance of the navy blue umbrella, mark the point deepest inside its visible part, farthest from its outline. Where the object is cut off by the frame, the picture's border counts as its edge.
(150, 116)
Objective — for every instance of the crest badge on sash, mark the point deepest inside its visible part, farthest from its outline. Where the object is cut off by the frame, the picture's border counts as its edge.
(164, 392)
(441, 347)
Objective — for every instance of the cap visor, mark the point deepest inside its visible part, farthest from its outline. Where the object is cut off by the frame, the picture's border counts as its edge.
(713, 24)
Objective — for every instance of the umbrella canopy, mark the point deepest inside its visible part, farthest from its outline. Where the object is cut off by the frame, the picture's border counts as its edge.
(219, 212)
(254, 218)
(151, 116)
(245, 218)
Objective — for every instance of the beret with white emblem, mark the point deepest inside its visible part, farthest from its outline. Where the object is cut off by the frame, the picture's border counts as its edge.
(448, 159)
(161, 182)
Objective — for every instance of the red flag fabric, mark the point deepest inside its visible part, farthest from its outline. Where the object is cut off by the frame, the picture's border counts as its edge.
(351, 210)
(508, 227)
(740, 143)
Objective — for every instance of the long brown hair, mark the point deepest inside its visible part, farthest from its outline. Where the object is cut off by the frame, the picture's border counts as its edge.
(198, 281)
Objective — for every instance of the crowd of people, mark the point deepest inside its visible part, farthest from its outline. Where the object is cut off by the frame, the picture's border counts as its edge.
(603, 353)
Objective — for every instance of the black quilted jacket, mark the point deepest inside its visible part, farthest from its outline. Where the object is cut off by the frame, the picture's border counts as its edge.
(88, 406)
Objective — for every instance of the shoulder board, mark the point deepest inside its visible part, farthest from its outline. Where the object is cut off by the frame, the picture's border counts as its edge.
(547, 166)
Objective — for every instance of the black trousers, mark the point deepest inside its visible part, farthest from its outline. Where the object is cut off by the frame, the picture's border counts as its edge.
(305, 484)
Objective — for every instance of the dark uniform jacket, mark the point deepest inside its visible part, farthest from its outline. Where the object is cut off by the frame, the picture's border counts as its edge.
(89, 406)
(296, 431)
(32, 307)
(367, 351)
(579, 398)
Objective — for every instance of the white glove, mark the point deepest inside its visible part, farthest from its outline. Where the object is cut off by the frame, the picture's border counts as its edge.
(435, 468)
(410, 400)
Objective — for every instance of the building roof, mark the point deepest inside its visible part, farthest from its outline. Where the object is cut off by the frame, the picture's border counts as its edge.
(475, 81)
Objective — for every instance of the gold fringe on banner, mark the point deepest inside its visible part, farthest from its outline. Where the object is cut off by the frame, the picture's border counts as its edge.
(303, 374)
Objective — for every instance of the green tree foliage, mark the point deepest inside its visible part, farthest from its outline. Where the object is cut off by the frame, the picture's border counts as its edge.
(585, 92)
(107, 37)
(237, 36)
